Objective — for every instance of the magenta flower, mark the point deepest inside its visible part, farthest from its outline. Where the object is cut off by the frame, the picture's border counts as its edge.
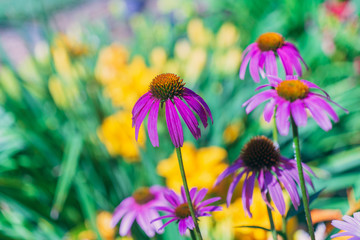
(169, 89)
(140, 207)
(292, 97)
(350, 225)
(260, 160)
(179, 208)
(263, 53)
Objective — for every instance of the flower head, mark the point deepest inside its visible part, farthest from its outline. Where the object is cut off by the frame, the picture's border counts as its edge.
(168, 89)
(292, 97)
(260, 160)
(351, 226)
(140, 206)
(179, 209)
(263, 53)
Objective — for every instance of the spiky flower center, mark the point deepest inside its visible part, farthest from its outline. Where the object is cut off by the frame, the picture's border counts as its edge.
(182, 211)
(292, 90)
(259, 153)
(167, 86)
(143, 195)
(270, 41)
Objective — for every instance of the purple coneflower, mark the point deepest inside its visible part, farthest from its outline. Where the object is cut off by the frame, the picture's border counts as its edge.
(262, 54)
(260, 160)
(140, 207)
(292, 97)
(179, 209)
(350, 225)
(168, 89)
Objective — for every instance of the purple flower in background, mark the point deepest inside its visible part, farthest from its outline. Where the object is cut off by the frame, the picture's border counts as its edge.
(260, 160)
(350, 225)
(263, 53)
(140, 207)
(292, 97)
(179, 208)
(169, 89)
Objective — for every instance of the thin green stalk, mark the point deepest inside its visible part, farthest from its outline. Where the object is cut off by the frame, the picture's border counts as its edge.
(302, 181)
(275, 131)
(283, 227)
(272, 225)
(191, 208)
(192, 234)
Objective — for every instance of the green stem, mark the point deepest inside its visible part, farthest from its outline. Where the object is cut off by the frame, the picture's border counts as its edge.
(272, 225)
(283, 227)
(191, 208)
(275, 131)
(192, 234)
(302, 181)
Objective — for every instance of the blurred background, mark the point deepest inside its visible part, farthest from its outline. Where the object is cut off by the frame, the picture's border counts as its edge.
(71, 71)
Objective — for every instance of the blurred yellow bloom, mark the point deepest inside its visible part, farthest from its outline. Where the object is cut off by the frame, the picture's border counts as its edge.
(158, 58)
(202, 166)
(111, 63)
(62, 62)
(195, 64)
(103, 223)
(9, 83)
(124, 82)
(227, 36)
(118, 136)
(233, 131)
(198, 34)
(234, 216)
(73, 47)
(182, 49)
(64, 93)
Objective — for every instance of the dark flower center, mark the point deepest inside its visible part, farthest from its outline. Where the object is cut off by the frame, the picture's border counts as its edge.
(292, 90)
(259, 153)
(167, 86)
(182, 211)
(270, 41)
(143, 195)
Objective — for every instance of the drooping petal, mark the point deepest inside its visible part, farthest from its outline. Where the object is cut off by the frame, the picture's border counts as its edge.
(152, 214)
(198, 108)
(167, 223)
(298, 112)
(282, 117)
(172, 198)
(208, 201)
(141, 116)
(290, 187)
(285, 61)
(232, 187)
(145, 225)
(274, 80)
(189, 222)
(182, 226)
(254, 67)
(294, 61)
(139, 105)
(191, 93)
(188, 117)
(319, 115)
(174, 124)
(270, 64)
(230, 170)
(313, 85)
(263, 188)
(247, 193)
(162, 217)
(275, 192)
(325, 106)
(269, 110)
(126, 223)
(289, 46)
(152, 123)
(251, 50)
(259, 98)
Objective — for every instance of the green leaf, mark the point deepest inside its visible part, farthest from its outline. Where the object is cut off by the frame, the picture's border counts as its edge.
(257, 227)
(67, 172)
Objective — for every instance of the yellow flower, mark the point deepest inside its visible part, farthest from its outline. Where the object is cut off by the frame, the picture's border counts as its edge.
(118, 136)
(195, 64)
(111, 63)
(182, 49)
(63, 92)
(202, 166)
(158, 58)
(103, 223)
(198, 34)
(233, 131)
(227, 36)
(73, 47)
